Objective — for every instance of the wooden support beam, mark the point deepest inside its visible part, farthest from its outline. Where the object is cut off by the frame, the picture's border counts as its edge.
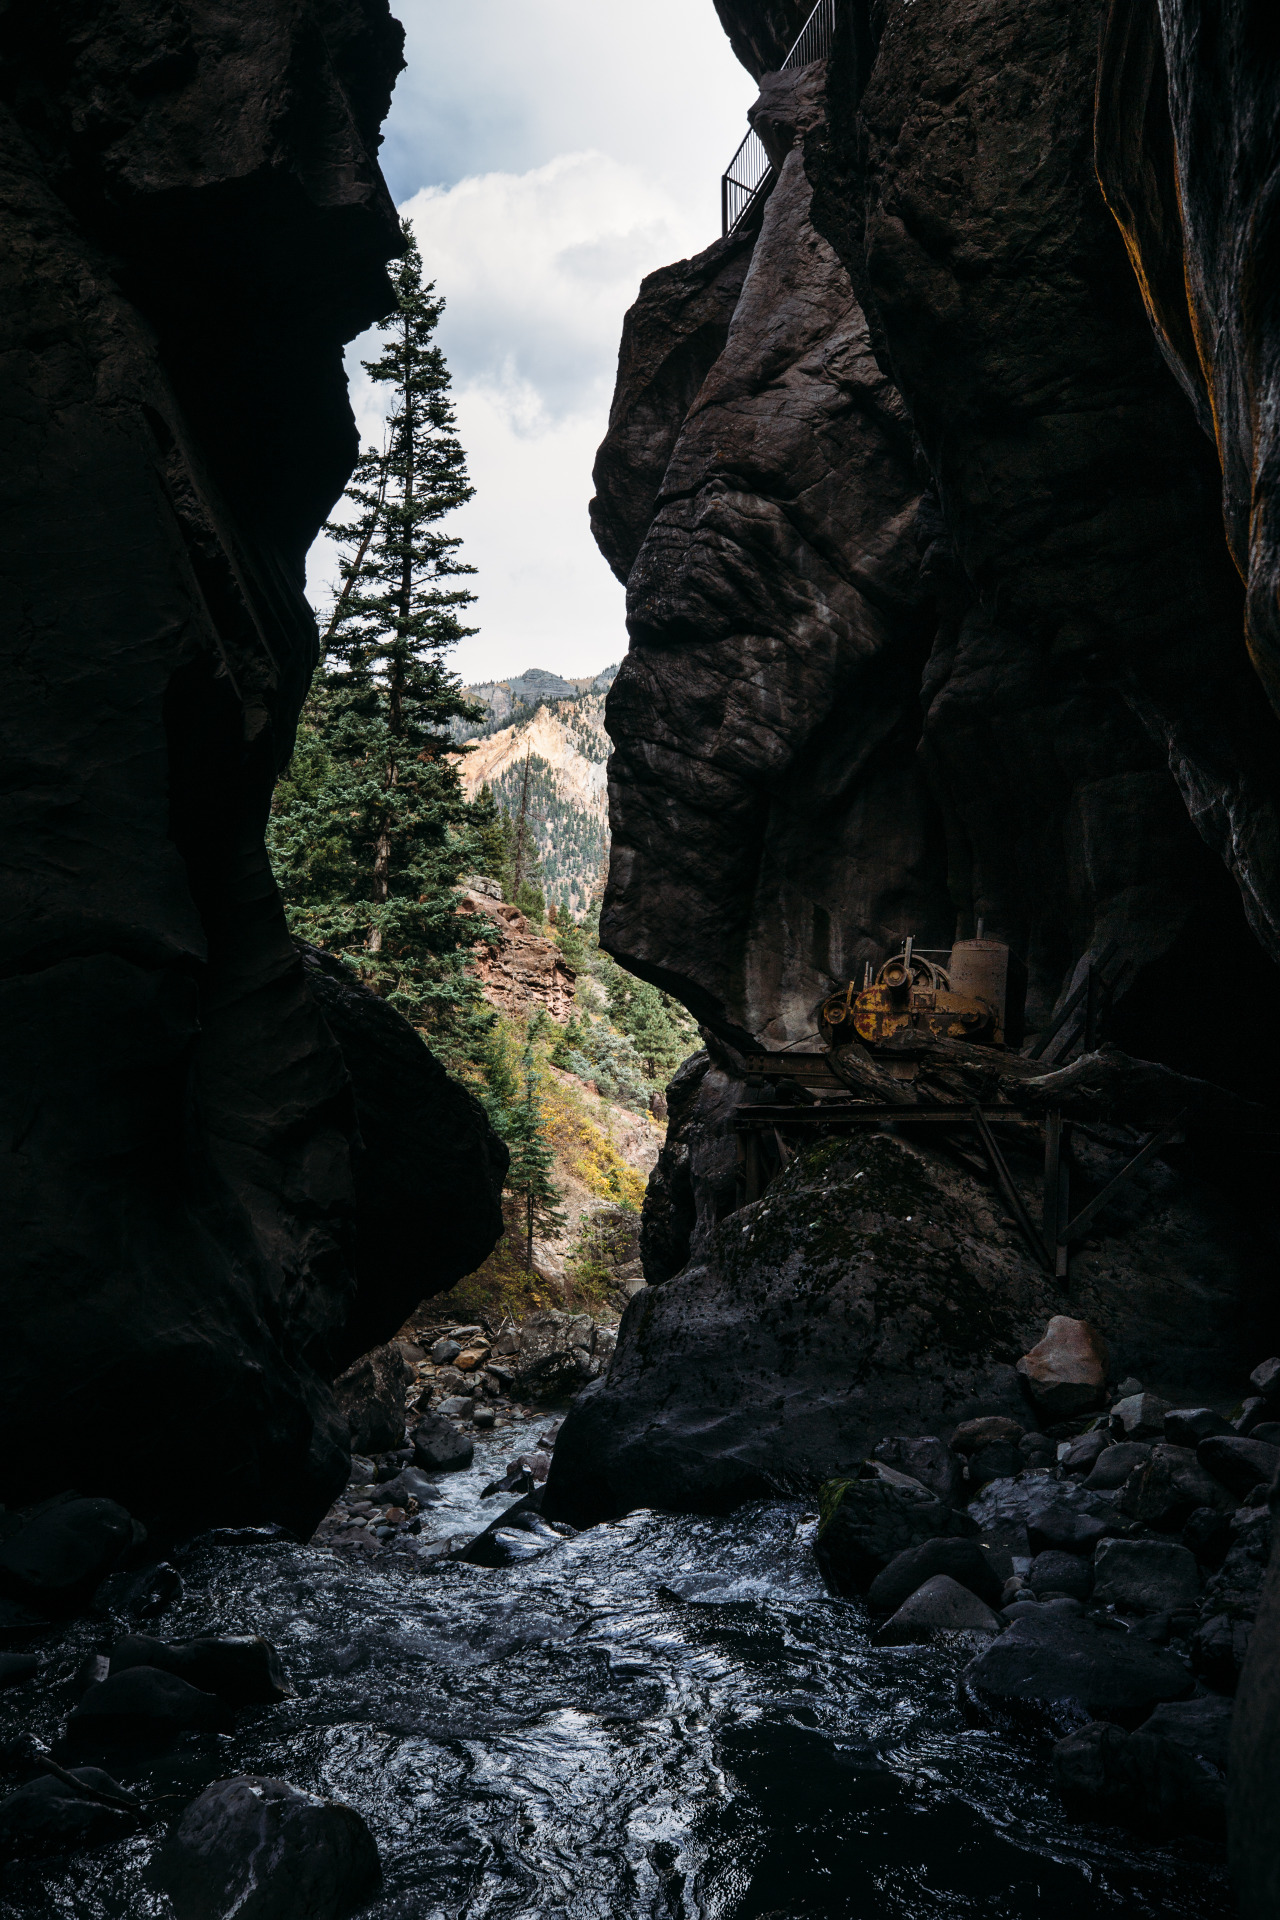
(1087, 1215)
(1013, 1199)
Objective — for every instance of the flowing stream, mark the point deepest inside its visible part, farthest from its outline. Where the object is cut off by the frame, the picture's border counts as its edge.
(663, 1717)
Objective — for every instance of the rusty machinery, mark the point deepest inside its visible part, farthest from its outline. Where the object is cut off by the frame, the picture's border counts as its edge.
(977, 996)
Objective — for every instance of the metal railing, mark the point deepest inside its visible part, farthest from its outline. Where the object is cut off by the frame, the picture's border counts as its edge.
(749, 174)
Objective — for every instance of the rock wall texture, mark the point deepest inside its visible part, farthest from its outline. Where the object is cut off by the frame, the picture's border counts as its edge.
(195, 223)
(944, 492)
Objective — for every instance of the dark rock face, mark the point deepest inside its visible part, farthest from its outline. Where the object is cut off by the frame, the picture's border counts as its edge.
(762, 32)
(1254, 1826)
(1055, 1669)
(870, 1291)
(196, 223)
(372, 1394)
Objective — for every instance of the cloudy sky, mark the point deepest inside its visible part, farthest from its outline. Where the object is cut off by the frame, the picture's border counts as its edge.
(550, 153)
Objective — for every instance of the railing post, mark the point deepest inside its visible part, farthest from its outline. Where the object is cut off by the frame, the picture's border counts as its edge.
(724, 204)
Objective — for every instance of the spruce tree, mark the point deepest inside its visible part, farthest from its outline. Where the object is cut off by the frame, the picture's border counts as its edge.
(371, 836)
(529, 1176)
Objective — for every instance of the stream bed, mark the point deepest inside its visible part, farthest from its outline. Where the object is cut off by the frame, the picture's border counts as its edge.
(662, 1717)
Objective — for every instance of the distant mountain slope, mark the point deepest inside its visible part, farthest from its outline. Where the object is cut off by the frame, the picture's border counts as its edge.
(560, 736)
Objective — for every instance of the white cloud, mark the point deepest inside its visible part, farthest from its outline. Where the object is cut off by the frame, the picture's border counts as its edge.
(606, 128)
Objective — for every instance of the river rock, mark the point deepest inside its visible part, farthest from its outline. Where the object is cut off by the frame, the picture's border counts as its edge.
(1220, 1649)
(990, 1430)
(1082, 1454)
(1265, 1381)
(446, 1350)
(1239, 1464)
(244, 1670)
(141, 1595)
(1207, 1531)
(1146, 1576)
(438, 1447)
(928, 1460)
(59, 1556)
(1056, 1669)
(47, 1815)
(961, 1560)
(999, 1461)
(1066, 1373)
(1114, 1466)
(266, 1850)
(142, 1705)
(409, 1484)
(1062, 1528)
(372, 1394)
(1057, 1572)
(1170, 1488)
(868, 1521)
(1140, 1416)
(1166, 1778)
(1188, 1426)
(941, 1605)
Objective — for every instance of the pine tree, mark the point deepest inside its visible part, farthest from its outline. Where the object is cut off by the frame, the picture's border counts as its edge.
(372, 833)
(529, 1176)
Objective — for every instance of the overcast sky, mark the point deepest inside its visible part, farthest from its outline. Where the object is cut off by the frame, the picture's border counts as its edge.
(550, 153)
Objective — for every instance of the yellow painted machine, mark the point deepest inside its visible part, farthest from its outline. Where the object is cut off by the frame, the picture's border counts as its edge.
(976, 996)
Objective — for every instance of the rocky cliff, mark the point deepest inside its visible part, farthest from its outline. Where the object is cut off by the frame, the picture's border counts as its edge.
(918, 483)
(196, 224)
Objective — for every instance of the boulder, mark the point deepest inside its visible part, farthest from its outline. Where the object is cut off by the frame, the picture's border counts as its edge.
(1066, 1372)
(1220, 1649)
(1169, 1489)
(371, 1394)
(438, 1447)
(1146, 1576)
(411, 1483)
(1057, 1670)
(941, 1605)
(928, 1460)
(961, 1560)
(59, 1556)
(266, 1850)
(1065, 1529)
(1057, 1572)
(999, 1461)
(1166, 1778)
(1265, 1381)
(141, 1595)
(1140, 1416)
(243, 1670)
(1207, 1531)
(1113, 1467)
(48, 1815)
(446, 1350)
(868, 1521)
(559, 1352)
(990, 1430)
(1240, 1464)
(144, 1705)
(1188, 1426)
(1082, 1454)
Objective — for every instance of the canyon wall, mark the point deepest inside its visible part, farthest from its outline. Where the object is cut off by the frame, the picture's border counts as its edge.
(197, 1231)
(944, 494)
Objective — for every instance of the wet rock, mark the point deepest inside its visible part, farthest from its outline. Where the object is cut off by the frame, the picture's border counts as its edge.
(1115, 1465)
(1239, 1464)
(372, 1395)
(1057, 1572)
(1188, 1426)
(988, 1431)
(1166, 1778)
(265, 1850)
(1055, 1669)
(1147, 1576)
(1140, 1416)
(48, 1815)
(1252, 1413)
(941, 1605)
(456, 1407)
(94, 1667)
(1066, 1373)
(1061, 1528)
(56, 1560)
(243, 1670)
(867, 1522)
(446, 1351)
(410, 1484)
(485, 1418)
(1169, 1488)
(1038, 1450)
(141, 1595)
(144, 1705)
(438, 1447)
(961, 1560)
(1082, 1454)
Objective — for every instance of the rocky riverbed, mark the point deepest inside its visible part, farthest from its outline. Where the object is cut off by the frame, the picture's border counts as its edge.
(899, 1700)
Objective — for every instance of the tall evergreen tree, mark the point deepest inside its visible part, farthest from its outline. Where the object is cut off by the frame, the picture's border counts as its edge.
(371, 836)
(532, 1159)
